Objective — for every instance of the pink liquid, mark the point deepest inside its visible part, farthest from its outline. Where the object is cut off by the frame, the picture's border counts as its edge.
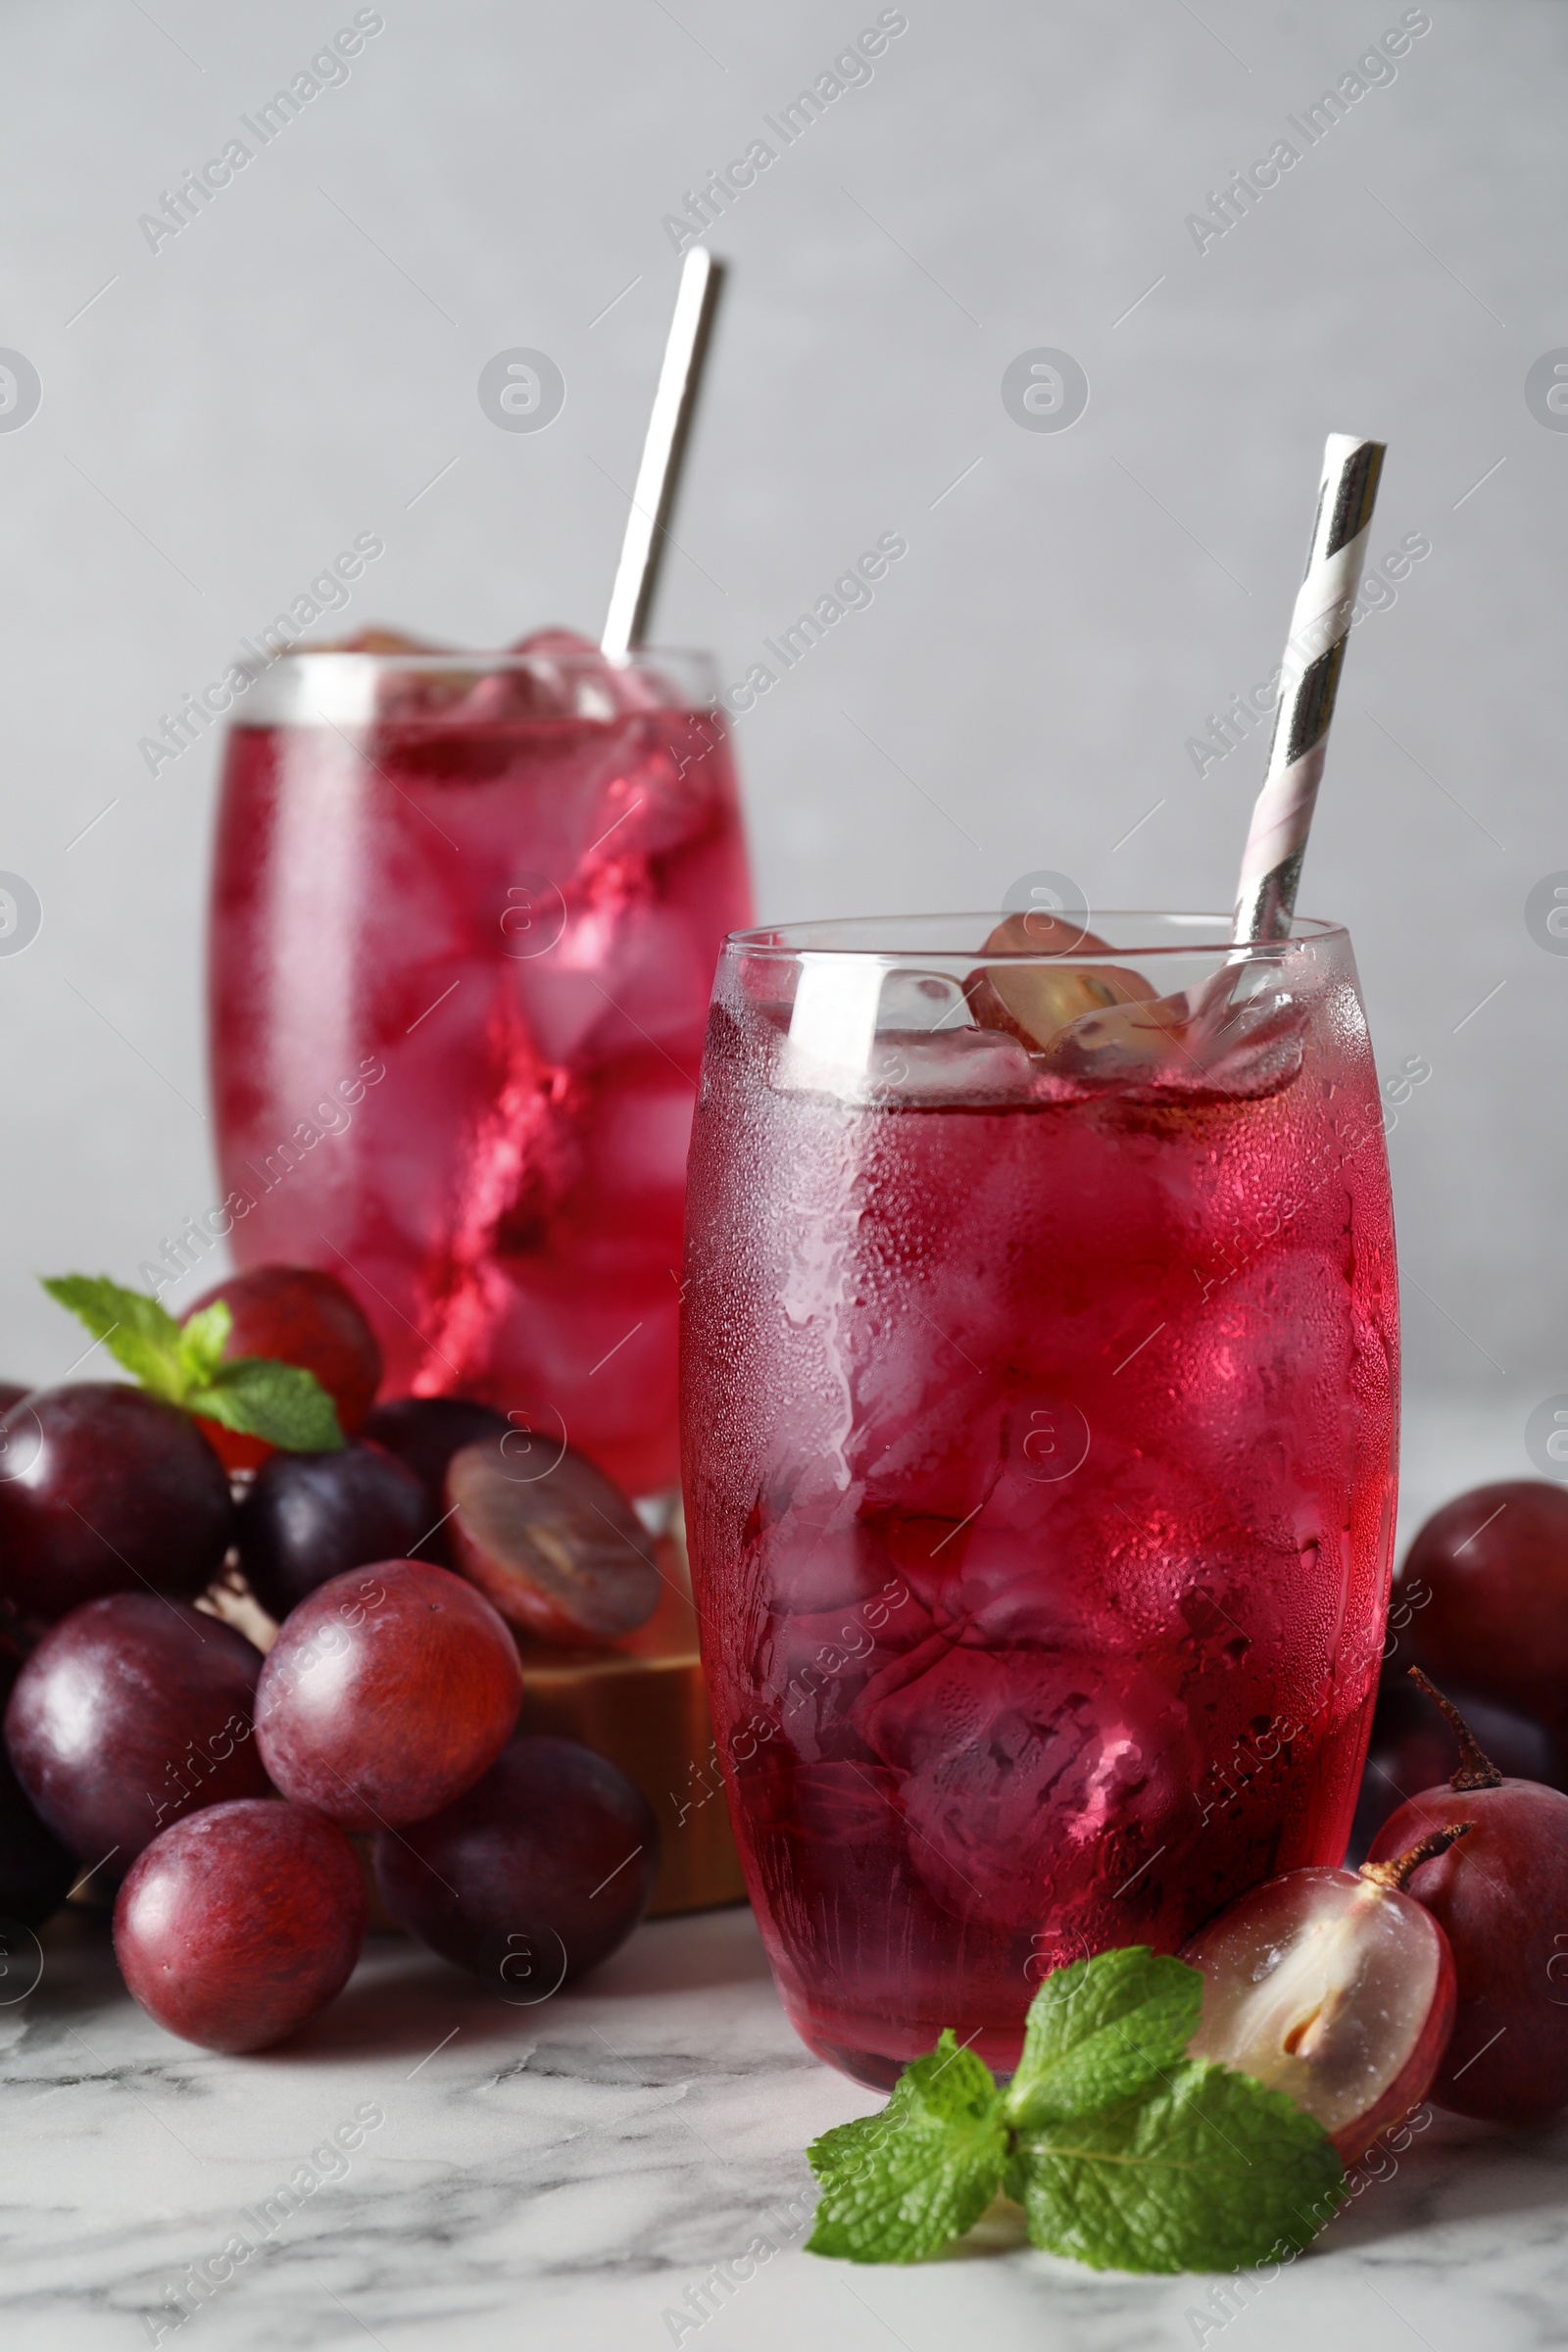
(1040, 1489)
(460, 973)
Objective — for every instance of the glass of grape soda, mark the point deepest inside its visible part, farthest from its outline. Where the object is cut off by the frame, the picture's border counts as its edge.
(464, 917)
(1040, 1387)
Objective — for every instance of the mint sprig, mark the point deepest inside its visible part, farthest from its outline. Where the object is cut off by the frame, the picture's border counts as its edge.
(184, 1364)
(1123, 2152)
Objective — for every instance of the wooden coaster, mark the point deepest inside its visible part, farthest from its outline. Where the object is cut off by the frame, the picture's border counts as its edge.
(643, 1704)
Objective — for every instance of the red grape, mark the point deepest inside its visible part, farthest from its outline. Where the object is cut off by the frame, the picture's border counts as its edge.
(1495, 1563)
(131, 1711)
(241, 1922)
(312, 1516)
(1413, 1748)
(562, 1556)
(104, 1488)
(1502, 1901)
(388, 1691)
(534, 1875)
(35, 1870)
(297, 1316)
(424, 1433)
(1336, 1988)
(11, 1392)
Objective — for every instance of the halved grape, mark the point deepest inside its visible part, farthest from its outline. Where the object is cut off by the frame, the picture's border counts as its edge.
(564, 1557)
(1034, 1002)
(1335, 1988)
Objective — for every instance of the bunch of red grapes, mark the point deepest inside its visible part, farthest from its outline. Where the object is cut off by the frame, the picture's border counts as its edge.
(150, 1742)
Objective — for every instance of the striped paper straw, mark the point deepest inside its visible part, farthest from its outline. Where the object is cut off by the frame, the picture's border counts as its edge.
(1315, 654)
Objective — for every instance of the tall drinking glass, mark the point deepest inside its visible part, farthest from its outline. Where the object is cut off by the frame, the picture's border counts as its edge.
(1040, 1371)
(464, 919)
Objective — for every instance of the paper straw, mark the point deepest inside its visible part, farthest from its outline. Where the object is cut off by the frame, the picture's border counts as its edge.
(653, 501)
(1315, 654)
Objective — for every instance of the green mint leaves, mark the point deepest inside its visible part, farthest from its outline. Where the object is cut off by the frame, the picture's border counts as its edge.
(184, 1365)
(900, 2184)
(1123, 2152)
(262, 1398)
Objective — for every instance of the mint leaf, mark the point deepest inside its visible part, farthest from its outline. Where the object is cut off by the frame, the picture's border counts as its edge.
(184, 1364)
(262, 1398)
(899, 2184)
(1101, 2029)
(139, 1332)
(203, 1336)
(1206, 2172)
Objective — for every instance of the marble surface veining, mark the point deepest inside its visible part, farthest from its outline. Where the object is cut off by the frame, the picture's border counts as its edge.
(565, 2177)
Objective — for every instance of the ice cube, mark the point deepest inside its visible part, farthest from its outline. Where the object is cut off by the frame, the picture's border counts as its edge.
(591, 686)
(1022, 1766)
(869, 1032)
(843, 1050)
(1127, 1043)
(956, 1066)
(926, 1443)
(1240, 1035)
(816, 1560)
(909, 1000)
(627, 978)
(567, 677)
(671, 785)
(1254, 1047)
(813, 1668)
(847, 1646)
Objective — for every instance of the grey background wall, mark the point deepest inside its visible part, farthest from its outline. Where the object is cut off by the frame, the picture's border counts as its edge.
(300, 364)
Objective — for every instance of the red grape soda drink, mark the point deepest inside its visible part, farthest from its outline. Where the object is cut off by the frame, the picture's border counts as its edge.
(1040, 1387)
(464, 919)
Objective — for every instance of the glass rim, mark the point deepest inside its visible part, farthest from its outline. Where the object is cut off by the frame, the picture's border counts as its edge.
(1210, 934)
(320, 685)
(462, 657)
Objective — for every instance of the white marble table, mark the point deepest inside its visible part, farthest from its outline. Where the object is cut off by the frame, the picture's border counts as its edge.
(563, 2176)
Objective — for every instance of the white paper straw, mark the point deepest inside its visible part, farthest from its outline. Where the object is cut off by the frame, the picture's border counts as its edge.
(653, 501)
(1315, 654)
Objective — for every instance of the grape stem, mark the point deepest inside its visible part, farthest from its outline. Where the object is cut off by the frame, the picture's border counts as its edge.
(1397, 1870)
(1476, 1770)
